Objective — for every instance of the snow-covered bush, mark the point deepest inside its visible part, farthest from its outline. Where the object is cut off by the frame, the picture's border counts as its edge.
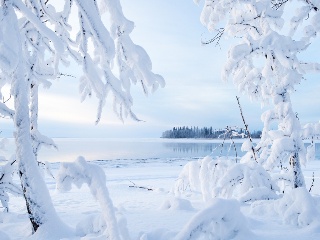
(80, 172)
(221, 220)
(297, 207)
(224, 178)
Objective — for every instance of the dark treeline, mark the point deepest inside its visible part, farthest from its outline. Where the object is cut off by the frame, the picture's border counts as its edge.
(208, 132)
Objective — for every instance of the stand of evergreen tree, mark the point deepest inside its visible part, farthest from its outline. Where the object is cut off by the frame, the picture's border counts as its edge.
(208, 132)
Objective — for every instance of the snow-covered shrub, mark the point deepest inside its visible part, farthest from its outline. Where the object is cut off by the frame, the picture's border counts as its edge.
(188, 179)
(80, 172)
(246, 182)
(227, 179)
(279, 157)
(7, 185)
(297, 207)
(221, 220)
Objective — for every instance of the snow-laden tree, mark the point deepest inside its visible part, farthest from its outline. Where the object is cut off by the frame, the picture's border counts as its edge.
(35, 39)
(265, 64)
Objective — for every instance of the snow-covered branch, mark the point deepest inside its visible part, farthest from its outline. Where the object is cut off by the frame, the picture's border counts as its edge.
(80, 172)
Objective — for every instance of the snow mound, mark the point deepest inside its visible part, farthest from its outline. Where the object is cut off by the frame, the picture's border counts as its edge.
(91, 225)
(259, 193)
(222, 219)
(176, 203)
(94, 226)
(158, 234)
(52, 230)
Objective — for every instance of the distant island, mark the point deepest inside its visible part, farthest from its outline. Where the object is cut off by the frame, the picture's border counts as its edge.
(209, 132)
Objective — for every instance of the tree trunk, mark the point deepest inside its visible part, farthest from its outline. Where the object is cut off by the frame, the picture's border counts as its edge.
(298, 180)
(34, 117)
(35, 192)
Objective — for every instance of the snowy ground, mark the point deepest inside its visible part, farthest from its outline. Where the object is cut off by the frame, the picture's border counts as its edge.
(140, 190)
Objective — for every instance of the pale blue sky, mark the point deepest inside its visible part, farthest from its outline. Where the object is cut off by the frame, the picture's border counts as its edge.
(194, 95)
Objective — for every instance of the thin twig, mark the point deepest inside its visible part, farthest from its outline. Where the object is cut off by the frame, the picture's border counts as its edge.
(136, 186)
(4, 101)
(247, 129)
(312, 183)
(216, 38)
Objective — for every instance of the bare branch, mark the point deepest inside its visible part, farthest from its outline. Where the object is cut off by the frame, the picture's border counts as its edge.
(247, 129)
(216, 38)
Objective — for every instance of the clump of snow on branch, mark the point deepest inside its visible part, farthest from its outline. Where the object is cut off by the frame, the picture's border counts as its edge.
(3, 145)
(214, 178)
(311, 131)
(222, 219)
(80, 172)
(40, 139)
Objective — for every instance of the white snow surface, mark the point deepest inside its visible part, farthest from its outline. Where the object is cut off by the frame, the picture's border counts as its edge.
(146, 208)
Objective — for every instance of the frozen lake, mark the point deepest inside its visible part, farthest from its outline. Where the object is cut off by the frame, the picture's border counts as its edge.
(136, 149)
(142, 149)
